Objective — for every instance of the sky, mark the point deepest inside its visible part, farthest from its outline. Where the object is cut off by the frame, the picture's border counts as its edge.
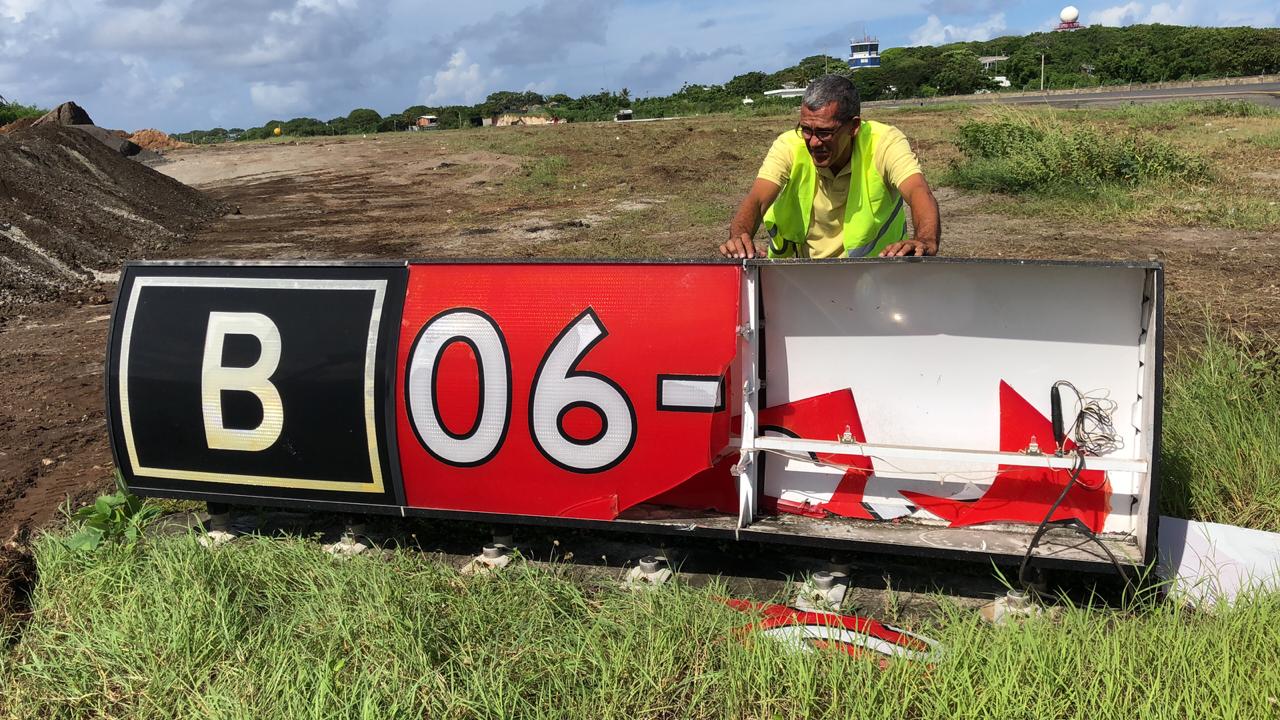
(197, 64)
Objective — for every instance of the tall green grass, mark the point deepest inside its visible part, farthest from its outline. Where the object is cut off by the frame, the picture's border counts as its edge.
(1168, 114)
(1017, 152)
(1222, 433)
(267, 629)
(1267, 140)
(542, 172)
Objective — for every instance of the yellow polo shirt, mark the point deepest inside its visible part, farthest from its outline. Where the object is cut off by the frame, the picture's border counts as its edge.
(893, 160)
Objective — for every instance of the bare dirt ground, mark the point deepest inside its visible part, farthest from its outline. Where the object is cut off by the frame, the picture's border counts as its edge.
(601, 190)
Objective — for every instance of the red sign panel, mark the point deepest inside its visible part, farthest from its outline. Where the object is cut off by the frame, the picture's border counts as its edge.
(568, 390)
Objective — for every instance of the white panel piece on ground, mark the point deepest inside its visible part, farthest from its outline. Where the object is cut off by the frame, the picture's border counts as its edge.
(1211, 563)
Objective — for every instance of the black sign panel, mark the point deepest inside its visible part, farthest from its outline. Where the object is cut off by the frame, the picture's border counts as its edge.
(257, 381)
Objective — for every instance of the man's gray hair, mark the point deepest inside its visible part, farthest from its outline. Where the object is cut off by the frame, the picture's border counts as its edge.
(834, 89)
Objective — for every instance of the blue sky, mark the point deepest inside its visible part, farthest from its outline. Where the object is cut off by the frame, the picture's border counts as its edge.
(183, 64)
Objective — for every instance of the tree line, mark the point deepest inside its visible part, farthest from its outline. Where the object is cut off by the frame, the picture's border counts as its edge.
(1091, 56)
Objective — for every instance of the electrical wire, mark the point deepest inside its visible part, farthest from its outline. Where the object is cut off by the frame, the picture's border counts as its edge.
(1094, 434)
(1093, 430)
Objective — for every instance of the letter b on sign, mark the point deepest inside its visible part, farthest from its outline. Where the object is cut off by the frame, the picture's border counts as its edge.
(256, 379)
(253, 378)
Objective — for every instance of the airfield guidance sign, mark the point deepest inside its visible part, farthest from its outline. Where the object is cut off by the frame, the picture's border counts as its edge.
(897, 406)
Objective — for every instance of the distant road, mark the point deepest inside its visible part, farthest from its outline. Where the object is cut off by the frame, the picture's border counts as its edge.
(1262, 93)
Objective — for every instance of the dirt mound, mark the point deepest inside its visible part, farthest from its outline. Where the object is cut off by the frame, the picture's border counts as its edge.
(114, 139)
(68, 113)
(71, 210)
(18, 124)
(151, 139)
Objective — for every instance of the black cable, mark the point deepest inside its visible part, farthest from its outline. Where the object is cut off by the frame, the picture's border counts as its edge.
(1101, 437)
(1044, 524)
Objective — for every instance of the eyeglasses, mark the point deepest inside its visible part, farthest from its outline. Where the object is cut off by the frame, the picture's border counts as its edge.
(822, 134)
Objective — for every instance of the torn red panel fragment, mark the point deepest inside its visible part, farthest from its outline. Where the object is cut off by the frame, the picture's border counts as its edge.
(851, 634)
(819, 417)
(1025, 494)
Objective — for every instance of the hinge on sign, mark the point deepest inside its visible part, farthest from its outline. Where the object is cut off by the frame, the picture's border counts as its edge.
(751, 388)
(745, 332)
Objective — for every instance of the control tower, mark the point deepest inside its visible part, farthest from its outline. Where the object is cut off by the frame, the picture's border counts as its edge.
(864, 53)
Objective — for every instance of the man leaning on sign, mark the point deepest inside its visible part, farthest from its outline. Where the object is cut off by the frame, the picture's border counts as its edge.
(835, 186)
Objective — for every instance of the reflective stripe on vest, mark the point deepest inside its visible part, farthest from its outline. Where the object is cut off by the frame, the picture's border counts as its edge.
(873, 217)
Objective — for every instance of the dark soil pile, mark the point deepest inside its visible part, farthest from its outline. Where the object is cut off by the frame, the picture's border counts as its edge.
(71, 209)
(68, 113)
(20, 123)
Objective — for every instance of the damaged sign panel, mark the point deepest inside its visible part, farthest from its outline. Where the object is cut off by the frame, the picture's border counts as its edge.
(900, 406)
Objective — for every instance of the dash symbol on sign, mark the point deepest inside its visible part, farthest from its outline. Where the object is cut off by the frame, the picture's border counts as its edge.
(691, 393)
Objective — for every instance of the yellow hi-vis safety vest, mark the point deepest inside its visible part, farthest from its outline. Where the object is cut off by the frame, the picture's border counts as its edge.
(873, 216)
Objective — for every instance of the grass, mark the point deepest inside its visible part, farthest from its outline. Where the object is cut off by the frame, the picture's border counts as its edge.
(1170, 114)
(276, 629)
(1269, 140)
(543, 172)
(1188, 164)
(1015, 152)
(1222, 433)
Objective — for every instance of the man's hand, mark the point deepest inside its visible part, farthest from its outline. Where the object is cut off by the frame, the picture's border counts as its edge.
(909, 247)
(740, 246)
(925, 224)
(747, 220)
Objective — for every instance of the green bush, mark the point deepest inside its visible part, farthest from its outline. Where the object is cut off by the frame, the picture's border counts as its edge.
(10, 111)
(1016, 153)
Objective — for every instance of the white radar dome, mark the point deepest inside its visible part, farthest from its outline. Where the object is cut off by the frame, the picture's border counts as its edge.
(1069, 14)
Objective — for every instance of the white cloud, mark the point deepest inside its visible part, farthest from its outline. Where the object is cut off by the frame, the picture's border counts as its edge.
(1170, 15)
(1189, 12)
(934, 32)
(1118, 15)
(460, 82)
(541, 33)
(673, 67)
(283, 99)
(18, 10)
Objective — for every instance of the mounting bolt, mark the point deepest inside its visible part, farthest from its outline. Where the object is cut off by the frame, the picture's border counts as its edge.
(823, 580)
(1017, 599)
(650, 572)
(493, 552)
